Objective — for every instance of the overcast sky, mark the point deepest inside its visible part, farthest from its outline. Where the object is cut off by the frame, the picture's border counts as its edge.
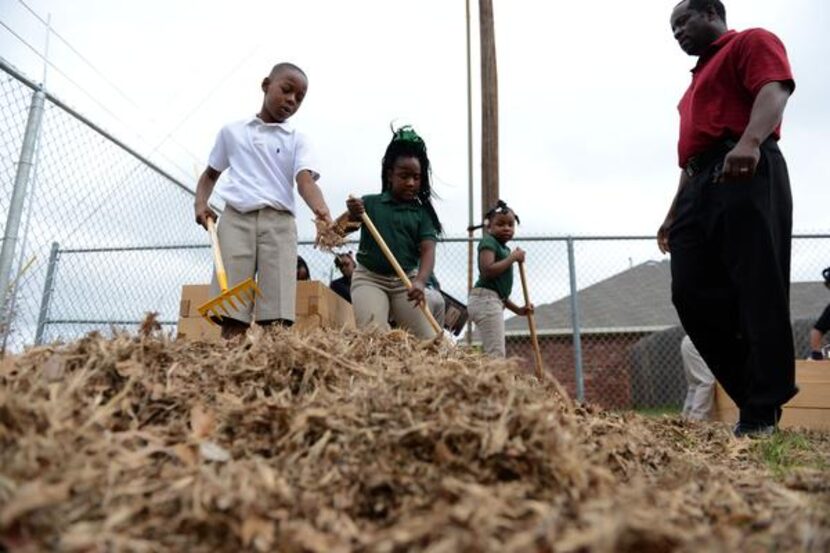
(587, 93)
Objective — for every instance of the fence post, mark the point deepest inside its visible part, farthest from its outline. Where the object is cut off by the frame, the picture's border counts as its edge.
(46, 299)
(577, 338)
(21, 181)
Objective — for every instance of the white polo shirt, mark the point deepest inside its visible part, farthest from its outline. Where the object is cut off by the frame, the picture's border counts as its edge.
(262, 162)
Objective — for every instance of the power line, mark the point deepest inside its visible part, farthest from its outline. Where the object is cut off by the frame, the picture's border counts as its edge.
(104, 78)
(212, 91)
(94, 99)
(56, 68)
(171, 134)
(79, 54)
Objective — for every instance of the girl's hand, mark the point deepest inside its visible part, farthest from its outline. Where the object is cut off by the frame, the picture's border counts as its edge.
(355, 207)
(518, 255)
(526, 310)
(416, 294)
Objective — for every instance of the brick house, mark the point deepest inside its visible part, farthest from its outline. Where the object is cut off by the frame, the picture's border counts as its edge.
(630, 337)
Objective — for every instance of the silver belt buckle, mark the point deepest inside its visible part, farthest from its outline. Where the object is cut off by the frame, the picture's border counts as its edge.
(691, 168)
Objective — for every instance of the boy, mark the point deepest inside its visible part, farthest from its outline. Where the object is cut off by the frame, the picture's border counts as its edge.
(343, 285)
(257, 231)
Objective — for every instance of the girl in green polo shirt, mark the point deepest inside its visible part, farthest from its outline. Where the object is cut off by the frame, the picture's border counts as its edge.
(491, 293)
(404, 216)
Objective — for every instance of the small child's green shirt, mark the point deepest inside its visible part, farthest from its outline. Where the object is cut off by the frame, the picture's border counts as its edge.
(502, 284)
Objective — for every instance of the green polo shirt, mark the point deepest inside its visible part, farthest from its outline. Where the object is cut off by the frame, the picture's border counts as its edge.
(403, 226)
(502, 284)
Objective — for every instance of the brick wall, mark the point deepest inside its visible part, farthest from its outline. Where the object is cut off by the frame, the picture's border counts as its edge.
(606, 364)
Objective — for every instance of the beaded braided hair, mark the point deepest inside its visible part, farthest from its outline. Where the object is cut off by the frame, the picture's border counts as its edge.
(500, 208)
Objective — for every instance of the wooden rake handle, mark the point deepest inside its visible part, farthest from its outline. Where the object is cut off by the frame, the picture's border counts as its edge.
(390, 257)
(537, 353)
(221, 275)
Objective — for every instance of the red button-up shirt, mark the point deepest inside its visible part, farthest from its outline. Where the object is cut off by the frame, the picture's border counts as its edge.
(725, 82)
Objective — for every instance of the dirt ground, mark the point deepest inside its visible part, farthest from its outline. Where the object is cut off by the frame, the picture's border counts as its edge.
(329, 442)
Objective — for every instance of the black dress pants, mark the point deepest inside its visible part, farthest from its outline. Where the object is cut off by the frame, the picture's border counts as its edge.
(730, 263)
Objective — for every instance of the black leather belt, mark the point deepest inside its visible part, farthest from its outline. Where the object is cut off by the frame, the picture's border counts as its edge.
(698, 163)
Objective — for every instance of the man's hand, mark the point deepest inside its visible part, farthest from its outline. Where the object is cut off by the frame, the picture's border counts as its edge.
(203, 213)
(740, 163)
(663, 235)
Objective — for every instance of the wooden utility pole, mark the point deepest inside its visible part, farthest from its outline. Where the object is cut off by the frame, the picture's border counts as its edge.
(489, 108)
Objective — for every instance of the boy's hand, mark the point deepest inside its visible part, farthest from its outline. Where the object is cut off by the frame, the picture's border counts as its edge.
(355, 207)
(518, 255)
(324, 216)
(416, 294)
(203, 212)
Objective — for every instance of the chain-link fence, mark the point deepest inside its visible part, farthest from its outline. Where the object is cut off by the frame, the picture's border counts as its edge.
(96, 236)
(68, 186)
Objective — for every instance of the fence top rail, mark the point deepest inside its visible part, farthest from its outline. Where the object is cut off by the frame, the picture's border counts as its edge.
(453, 240)
(14, 72)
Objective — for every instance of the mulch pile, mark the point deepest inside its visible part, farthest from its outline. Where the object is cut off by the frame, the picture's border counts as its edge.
(336, 442)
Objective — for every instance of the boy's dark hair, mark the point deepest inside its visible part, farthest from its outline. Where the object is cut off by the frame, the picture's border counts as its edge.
(301, 264)
(702, 6)
(826, 274)
(500, 208)
(406, 143)
(285, 66)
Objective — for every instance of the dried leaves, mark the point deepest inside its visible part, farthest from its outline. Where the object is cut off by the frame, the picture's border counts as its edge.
(329, 235)
(360, 442)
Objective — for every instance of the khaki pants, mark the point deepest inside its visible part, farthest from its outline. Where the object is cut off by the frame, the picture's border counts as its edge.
(261, 244)
(700, 383)
(377, 297)
(436, 304)
(486, 309)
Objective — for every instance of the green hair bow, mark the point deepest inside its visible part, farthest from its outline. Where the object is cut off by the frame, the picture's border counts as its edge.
(408, 134)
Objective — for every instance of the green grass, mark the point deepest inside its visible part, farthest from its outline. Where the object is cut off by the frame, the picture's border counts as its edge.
(659, 410)
(785, 451)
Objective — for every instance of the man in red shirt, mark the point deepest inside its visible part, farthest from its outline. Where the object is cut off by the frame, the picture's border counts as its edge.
(729, 227)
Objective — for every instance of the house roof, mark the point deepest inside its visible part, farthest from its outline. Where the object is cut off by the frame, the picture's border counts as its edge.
(639, 300)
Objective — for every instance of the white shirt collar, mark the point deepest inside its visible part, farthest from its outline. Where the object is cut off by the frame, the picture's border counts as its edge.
(255, 120)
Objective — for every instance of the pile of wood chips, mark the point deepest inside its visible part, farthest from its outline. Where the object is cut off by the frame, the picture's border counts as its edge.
(328, 442)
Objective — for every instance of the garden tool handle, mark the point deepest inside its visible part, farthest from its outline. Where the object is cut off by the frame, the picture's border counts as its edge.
(390, 257)
(531, 323)
(221, 275)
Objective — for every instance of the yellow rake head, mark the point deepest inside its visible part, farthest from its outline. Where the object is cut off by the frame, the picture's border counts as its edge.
(219, 306)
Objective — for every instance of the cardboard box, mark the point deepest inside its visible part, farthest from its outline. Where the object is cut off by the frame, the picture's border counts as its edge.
(191, 324)
(810, 408)
(317, 306)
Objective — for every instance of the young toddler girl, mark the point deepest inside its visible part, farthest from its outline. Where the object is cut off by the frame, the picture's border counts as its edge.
(491, 293)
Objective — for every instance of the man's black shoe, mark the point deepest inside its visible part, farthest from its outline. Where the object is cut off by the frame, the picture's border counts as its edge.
(744, 429)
